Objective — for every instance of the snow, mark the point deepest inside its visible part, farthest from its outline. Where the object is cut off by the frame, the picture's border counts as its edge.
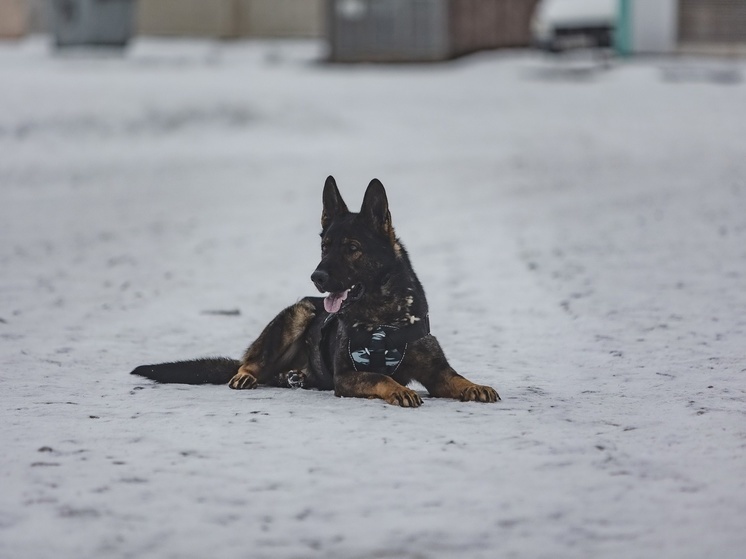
(581, 236)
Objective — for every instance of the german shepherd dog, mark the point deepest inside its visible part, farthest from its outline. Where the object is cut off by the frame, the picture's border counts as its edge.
(368, 338)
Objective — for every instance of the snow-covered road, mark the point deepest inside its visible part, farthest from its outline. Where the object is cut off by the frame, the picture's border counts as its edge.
(581, 237)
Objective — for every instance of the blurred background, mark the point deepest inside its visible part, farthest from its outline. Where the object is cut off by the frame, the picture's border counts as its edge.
(397, 30)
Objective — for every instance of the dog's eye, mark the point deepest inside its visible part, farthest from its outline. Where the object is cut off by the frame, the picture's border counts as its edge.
(353, 247)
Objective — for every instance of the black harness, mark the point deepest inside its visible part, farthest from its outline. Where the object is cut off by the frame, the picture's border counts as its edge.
(380, 350)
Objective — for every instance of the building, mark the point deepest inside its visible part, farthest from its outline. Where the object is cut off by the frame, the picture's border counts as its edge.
(683, 26)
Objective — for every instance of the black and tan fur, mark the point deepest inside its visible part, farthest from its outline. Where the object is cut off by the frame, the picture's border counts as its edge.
(362, 257)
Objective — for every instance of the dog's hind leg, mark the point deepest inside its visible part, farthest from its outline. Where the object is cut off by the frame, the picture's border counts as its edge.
(281, 347)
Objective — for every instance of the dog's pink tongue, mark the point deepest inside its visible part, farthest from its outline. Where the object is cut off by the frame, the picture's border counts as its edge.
(333, 301)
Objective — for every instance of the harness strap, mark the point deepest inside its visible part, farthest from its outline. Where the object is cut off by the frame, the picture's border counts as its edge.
(395, 336)
(382, 349)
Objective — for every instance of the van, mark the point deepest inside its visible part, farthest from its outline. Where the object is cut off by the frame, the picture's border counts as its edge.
(562, 25)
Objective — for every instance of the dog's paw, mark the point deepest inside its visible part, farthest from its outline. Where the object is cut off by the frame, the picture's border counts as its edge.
(296, 379)
(404, 397)
(242, 381)
(477, 393)
(292, 379)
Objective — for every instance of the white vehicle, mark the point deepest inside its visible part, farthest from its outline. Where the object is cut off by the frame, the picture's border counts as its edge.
(560, 25)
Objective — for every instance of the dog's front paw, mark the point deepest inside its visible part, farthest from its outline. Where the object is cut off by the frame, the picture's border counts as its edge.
(477, 393)
(404, 397)
(242, 381)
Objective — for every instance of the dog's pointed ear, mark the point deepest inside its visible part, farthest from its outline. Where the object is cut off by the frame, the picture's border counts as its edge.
(334, 206)
(376, 208)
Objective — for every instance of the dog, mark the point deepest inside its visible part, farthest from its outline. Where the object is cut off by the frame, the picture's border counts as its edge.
(368, 338)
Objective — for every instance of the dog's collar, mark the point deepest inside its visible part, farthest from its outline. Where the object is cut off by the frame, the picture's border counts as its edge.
(382, 349)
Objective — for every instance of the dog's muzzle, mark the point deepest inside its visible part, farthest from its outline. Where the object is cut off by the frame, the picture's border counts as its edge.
(320, 279)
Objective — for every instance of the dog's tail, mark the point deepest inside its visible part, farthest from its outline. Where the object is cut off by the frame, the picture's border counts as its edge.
(218, 370)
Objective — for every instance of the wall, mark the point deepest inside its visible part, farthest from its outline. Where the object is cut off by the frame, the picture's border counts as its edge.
(713, 21)
(654, 26)
(13, 18)
(488, 24)
(281, 18)
(231, 18)
(199, 18)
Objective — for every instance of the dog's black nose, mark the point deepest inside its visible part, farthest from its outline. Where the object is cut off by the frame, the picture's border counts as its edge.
(319, 279)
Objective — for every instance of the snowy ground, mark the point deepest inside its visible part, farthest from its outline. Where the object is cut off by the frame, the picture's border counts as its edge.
(581, 236)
